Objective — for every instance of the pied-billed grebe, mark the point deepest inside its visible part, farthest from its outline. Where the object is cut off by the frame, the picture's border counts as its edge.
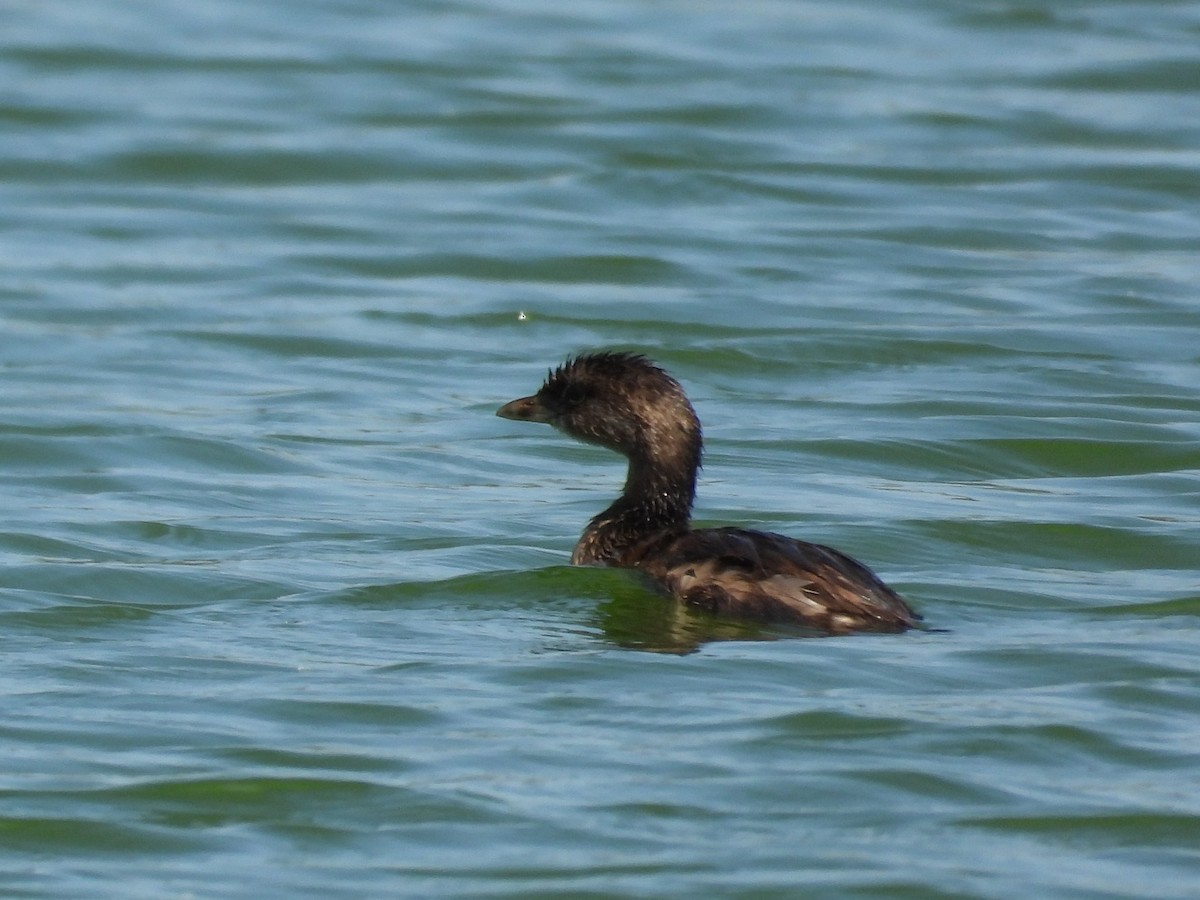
(626, 403)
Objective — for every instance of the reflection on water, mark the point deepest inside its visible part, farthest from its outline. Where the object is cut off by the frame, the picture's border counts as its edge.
(639, 618)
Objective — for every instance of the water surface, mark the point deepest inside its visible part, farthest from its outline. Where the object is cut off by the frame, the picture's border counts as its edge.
(285, 608)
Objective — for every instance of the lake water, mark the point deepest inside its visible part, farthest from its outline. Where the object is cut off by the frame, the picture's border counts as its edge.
(286, 609)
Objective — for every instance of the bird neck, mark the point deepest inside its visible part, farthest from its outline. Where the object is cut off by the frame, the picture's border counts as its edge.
(657, 498)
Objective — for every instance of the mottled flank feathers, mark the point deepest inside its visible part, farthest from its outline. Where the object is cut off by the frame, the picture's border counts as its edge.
(754, 574)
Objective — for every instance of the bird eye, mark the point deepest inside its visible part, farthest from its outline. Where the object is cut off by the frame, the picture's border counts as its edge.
(573, 395)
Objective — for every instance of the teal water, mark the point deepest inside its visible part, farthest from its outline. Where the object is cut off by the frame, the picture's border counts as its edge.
(285, 608)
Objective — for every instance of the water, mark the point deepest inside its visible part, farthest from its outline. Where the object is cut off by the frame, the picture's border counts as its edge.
(285, 608)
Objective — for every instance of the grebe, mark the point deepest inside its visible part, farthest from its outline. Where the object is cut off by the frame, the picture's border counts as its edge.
(626, 403)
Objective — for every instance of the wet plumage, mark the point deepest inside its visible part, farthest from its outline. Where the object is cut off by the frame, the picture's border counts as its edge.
(626, 403)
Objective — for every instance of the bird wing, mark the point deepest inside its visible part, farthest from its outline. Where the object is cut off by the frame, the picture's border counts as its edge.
(776, 578)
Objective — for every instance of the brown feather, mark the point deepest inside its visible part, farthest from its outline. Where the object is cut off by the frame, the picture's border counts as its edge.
(734, 571)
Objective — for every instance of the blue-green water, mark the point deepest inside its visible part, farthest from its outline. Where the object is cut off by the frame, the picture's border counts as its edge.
(285, 609)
